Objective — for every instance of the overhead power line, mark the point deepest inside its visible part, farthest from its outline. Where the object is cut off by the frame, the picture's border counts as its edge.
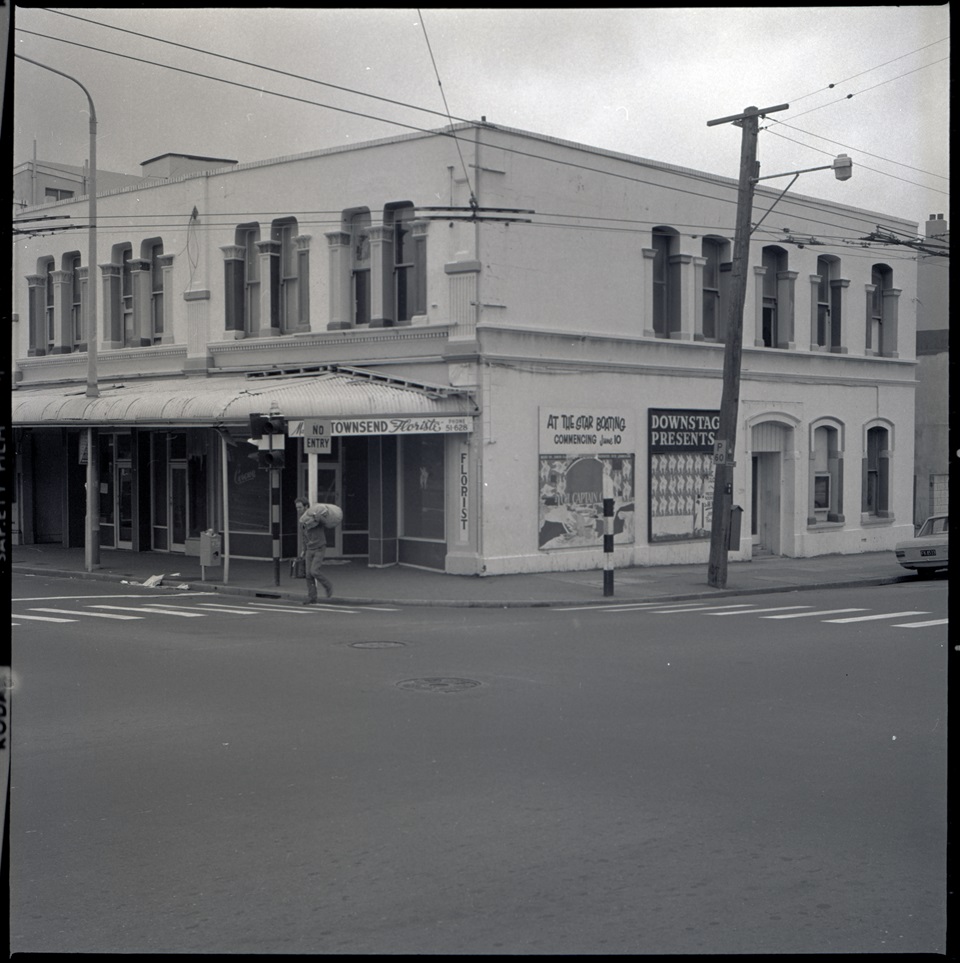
(859, 165)
(794, 100)
(446, 133)
(874, 87)
(245, 63)
(423, 26)
(350, 90)
(859, 150)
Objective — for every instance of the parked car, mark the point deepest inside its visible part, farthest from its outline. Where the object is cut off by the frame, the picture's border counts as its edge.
(926, 552)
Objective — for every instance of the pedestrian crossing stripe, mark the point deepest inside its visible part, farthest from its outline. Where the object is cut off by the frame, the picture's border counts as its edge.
(626, 607)
(185, 611)
(921, 625)
(226, 608)
(41, 618)
(152, 610)
(95, 615)
(783, 612)
(126, 595)
(872, 618)
(295, 609)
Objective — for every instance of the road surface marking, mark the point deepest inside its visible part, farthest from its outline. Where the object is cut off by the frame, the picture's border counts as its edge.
(154, 611)
(921, 625)
(659, 607)
(93, 615)
(226, 608)
(42, 618)
(297, 608)
(702, 608)
(776, 608)
(810, 615)
(871, 618)
(83, 598)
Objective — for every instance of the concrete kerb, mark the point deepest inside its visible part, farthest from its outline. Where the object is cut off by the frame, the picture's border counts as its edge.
(278, 593)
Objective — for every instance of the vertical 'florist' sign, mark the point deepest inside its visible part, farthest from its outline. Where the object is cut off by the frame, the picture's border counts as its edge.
(585, 456)
(681, 472)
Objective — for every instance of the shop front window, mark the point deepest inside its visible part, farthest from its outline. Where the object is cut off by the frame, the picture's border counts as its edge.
(422, 487)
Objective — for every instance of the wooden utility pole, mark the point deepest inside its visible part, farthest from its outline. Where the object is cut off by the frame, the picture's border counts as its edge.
(726, 438)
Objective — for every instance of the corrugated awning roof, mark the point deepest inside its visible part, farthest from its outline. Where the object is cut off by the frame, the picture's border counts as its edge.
(229, 400)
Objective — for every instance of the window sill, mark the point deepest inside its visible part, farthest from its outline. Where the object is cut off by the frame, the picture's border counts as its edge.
(825, 526)
(875, 521)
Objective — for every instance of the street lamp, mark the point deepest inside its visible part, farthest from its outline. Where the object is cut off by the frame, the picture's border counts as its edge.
(726, 436)
(92, 534)
(842, 168)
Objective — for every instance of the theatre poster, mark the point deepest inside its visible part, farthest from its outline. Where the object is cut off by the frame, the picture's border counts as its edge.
(681, 464)
(585, 456)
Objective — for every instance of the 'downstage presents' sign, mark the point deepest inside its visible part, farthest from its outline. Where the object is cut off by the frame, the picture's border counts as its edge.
(680, 447)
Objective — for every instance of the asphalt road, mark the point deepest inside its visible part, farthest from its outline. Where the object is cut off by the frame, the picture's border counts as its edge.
(760, 775)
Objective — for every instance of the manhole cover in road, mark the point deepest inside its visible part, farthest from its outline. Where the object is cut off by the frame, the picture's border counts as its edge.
(441, 684)
(376, 645)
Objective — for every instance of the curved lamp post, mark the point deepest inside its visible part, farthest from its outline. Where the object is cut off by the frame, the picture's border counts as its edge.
(92, 534)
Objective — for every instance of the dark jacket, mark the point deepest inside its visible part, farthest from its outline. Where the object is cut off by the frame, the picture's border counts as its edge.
(314, 537)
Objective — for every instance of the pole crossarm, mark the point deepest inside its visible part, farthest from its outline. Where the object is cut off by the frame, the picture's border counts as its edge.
(749, 112)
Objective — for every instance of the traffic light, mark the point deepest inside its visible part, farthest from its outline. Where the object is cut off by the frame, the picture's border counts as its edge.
(271, 458)
(261, 425)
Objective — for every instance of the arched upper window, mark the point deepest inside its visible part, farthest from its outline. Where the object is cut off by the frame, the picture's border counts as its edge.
(151, 301)
(409, 262)
(829, 319)
(49, 300)
(247, 236)
(292, 289)
(715, 252)
(878, 311)
(774, 259)
(359, 230)
(666, 281)
(75, 332)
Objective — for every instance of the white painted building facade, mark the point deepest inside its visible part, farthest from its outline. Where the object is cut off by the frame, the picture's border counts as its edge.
(488, 370)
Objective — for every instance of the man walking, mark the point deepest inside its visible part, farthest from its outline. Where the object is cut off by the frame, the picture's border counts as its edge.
(314, 543)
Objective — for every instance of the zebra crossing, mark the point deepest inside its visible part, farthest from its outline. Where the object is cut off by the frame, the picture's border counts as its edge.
(776, 612)
(193, 609)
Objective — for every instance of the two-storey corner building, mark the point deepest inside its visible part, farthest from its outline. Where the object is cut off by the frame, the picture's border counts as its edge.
(476, 335)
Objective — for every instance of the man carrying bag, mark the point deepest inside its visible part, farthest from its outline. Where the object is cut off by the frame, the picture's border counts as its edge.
(314, 535)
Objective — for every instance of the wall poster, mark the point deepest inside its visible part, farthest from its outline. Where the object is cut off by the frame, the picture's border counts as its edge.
(585, 456)
(681, 473)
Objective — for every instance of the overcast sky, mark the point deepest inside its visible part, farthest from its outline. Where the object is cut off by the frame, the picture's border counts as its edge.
(871, 82)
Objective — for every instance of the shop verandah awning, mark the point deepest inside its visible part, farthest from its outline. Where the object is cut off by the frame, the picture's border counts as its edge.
(224, 401)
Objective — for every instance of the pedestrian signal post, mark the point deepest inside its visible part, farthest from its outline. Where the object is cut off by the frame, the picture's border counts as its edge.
(269, 434)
